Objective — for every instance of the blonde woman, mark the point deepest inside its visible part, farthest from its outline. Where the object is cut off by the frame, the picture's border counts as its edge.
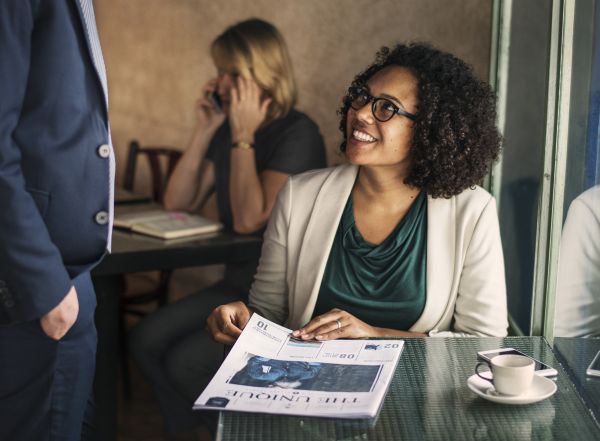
(247, 141)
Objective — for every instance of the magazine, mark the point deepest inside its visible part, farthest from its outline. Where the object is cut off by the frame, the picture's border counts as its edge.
(166, 224)
(269, 371)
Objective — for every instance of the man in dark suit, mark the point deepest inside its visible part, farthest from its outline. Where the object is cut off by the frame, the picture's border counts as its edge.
(56, 172)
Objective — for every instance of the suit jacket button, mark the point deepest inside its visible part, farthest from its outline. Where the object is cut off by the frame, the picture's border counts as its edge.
(102, 218)
(104, 151)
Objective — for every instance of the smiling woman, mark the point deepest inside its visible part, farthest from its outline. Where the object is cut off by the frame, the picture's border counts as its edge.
(402, 241)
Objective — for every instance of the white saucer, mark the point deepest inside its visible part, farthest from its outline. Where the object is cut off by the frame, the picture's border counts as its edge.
(540, 389)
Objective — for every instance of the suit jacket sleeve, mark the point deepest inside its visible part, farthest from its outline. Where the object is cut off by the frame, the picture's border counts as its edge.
(33, 278)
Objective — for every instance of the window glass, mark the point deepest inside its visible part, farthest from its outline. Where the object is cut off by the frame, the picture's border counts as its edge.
(524, 138)
(577, 307)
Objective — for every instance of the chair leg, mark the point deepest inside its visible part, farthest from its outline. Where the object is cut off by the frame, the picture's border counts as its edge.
(163, 288)
(124, 356)
(124, 352)
(161, 296)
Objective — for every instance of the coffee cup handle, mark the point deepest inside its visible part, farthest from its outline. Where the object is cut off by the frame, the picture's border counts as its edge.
(481, 363)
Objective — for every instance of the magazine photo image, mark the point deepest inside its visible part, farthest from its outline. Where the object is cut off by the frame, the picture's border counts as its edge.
(303, 375)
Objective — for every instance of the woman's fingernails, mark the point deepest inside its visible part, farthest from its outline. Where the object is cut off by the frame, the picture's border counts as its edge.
(319, 337)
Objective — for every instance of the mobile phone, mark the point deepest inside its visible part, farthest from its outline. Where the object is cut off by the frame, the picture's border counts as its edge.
(540, 368)
(216, 100)
(594, 367)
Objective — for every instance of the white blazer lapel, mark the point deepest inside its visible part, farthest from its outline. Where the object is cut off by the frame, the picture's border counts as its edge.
(441, 247)
(318, 239)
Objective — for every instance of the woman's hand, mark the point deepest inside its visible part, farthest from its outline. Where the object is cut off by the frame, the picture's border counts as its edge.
(208, 117)
(226, 322)
(333, 325)
(247, 109)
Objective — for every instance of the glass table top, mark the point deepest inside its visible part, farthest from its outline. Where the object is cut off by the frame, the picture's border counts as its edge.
(429, 400)
(576, 354)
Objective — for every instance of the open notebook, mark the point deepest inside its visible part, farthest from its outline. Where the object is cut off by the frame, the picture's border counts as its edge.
(166, 224)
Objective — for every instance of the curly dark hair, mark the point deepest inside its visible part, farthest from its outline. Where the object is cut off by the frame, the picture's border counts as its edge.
(455, 138)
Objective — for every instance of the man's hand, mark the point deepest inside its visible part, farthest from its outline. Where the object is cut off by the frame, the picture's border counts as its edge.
(59, 320)
(226, 322)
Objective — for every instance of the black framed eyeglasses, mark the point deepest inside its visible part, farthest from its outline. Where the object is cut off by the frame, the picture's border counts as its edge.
(382, 108)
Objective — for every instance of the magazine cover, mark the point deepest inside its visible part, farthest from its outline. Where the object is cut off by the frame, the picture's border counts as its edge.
(268, 370)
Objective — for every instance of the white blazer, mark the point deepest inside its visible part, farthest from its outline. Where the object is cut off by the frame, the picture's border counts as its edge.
(466, 291)
(578, 285)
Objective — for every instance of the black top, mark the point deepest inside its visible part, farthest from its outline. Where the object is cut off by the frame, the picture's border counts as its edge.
(291, 144)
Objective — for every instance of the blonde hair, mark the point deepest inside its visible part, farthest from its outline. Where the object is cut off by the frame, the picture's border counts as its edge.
(255, 49)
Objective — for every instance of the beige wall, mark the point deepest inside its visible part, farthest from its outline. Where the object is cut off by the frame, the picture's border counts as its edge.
(156, 53)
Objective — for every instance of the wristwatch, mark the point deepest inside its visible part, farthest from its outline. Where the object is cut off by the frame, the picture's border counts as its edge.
(243, 145)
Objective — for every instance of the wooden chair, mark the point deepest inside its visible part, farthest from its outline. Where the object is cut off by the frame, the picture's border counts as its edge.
(162, 161)
(158, 172)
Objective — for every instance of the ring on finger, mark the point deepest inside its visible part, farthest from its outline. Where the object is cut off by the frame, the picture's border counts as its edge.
(339, 324)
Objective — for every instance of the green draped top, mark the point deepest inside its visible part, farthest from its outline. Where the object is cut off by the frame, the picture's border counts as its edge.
(383, 285)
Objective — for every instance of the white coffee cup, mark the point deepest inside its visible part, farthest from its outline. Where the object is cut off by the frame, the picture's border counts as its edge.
(512, 374)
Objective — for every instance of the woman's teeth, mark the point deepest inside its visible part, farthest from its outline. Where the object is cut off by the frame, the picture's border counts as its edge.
(362, 136)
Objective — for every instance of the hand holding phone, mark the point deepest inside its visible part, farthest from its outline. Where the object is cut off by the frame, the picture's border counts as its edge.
(216, 101)
(209, 115)
(540, 368)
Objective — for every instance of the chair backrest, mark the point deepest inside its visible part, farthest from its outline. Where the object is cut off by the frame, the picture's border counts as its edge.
(158, 170)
